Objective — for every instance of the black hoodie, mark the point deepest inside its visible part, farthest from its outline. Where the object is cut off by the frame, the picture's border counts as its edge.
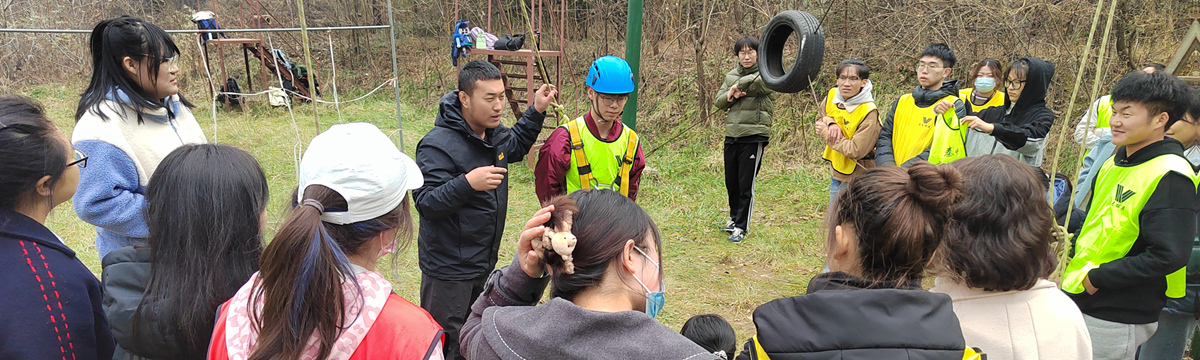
(846, 317)
(1023, 129)
(1132, 289)
(460, 232)
(923, 98)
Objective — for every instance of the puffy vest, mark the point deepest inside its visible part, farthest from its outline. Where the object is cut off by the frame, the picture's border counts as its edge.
(912, 128)
(996, 100)
(1112, 224)
(598, 163)
(848, 121)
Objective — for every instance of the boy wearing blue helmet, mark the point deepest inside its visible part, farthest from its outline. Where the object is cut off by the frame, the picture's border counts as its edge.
(594, 150)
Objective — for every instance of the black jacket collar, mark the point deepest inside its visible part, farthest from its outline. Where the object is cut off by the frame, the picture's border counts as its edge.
(1156, 149)
(843, 281)
(926, 98)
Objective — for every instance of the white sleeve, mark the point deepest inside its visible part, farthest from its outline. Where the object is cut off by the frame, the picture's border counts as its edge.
(1082, 135)
(437, 352)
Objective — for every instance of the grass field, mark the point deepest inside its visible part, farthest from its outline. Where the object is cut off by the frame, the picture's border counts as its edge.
(685, 196)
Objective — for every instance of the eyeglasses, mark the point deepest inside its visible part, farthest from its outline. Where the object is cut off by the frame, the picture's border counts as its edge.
(852, 78)
(929, 66)
(1015, 85)
(174, 60)
(80, 159)
(613, 99)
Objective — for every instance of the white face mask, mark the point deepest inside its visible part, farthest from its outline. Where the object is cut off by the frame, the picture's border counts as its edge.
(985, 84)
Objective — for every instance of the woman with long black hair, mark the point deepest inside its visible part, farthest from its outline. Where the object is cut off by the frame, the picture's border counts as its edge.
(51, 301)
(129, 118)
(205, 207)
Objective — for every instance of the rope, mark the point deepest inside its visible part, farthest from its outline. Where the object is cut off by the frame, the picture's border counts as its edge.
(385, 83)
(537, 55)
(333, 70)
(1060, 231)
(298, 146)
(211, 86)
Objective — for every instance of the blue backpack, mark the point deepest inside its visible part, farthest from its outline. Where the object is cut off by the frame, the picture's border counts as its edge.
(205, 20)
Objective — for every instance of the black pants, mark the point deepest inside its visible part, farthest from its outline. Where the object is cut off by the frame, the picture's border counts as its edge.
(742, 162)
(449, 302)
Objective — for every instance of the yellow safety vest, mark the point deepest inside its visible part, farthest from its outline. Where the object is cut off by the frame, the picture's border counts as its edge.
(912, 127)
(966, 96)
(1112, 224)
(598, 163)
(848, 122)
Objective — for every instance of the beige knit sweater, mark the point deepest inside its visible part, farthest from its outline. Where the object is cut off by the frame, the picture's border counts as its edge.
(1039, 323)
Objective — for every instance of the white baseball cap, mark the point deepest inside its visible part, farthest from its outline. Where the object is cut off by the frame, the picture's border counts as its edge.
(362, 164)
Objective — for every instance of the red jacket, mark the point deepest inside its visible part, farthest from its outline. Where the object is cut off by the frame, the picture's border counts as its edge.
(554, 161)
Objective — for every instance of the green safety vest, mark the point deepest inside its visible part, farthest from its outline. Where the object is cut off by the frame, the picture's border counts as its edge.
(1112, 224)
(1103, 111)
(598, 163)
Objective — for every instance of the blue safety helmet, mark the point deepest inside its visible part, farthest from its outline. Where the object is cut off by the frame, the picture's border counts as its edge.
(610, 75)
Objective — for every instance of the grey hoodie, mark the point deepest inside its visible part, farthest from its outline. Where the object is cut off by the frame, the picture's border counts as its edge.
(504, 325)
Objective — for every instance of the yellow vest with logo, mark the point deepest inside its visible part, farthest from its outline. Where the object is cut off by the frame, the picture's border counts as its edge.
(596, 163)
(996, 100)
(912, 128)
(1112, 224)
(848, 121)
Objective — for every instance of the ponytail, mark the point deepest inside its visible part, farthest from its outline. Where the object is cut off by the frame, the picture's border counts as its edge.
(303, 268)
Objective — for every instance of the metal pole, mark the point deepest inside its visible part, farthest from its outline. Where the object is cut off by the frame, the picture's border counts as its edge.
(197, 31)
(633, 54)
(395, 74)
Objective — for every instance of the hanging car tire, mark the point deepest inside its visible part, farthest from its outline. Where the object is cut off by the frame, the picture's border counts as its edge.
(811, 51)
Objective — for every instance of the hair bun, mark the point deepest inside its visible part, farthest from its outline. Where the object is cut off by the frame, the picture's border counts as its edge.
(935, 186)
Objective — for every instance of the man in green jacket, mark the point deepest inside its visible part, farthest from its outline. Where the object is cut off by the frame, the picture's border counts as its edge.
(749, 105)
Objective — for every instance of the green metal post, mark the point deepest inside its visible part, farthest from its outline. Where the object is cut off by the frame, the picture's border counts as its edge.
(633, 54)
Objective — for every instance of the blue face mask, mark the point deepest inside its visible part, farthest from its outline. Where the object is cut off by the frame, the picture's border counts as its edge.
(655, 300)
(984, 84)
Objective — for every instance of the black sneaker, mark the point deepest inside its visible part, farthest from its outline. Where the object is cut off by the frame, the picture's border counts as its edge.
(728, 227)
(737, 236)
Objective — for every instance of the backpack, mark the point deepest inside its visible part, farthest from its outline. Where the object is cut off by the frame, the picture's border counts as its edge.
(206, 20)
(510, 42)
(300, 73)
(231, 86)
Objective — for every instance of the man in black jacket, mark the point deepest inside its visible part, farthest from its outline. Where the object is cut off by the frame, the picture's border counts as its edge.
(1129, 257)
(907, 132)
(464, 201)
